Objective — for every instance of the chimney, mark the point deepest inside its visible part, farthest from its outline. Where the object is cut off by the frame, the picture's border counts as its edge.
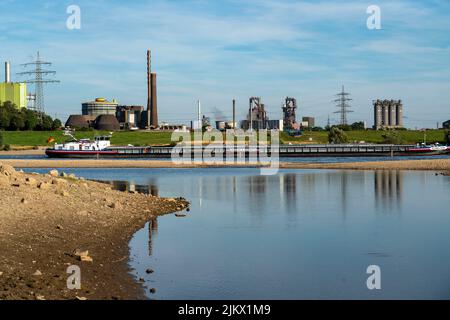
(154, 105)
(7, 72)
(149, 86)
(234, 114)
(199, 111)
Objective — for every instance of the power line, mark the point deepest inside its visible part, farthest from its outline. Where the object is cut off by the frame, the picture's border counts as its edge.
(343, 105)
(39, 80)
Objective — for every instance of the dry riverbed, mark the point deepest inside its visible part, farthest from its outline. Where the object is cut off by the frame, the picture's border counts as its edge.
(48, 222)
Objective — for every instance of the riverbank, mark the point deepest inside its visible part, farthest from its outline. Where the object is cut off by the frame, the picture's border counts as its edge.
(48, 220)
(426, 164)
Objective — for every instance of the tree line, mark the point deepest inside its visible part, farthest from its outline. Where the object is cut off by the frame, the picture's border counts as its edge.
(15, 119)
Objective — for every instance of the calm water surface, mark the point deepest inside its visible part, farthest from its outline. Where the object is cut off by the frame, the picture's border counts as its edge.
(297, 235)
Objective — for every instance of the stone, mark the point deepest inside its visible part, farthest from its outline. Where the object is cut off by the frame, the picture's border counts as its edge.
(80, 253)
(7, 170)
(180, 215)
(37, 273)
(53, 173)
(64, 193)
(152, 290)
(59, 181)
(24, 201)
(86, 259)
(30, 181)
(43, 185)
(59, 227)
(81, 298)
(148, 271)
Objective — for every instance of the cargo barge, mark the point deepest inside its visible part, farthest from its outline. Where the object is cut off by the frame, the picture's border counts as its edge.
(100, 147)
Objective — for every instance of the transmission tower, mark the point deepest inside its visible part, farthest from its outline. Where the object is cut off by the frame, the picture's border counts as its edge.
(343, 105)
(39, 80)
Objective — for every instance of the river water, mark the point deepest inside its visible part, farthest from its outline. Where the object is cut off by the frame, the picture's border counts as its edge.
(304, 234)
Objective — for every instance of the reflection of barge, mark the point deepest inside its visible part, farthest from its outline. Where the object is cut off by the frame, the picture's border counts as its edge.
(101, 148)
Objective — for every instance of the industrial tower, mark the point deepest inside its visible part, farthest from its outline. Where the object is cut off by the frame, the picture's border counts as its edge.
(343, 106)
(39, 73)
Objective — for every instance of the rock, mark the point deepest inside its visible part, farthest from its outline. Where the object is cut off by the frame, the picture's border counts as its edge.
(80, 253)
(53, 173)
(72, 176)
(80, 298)
(141, 280)
(152, 290)
(30, 181)
(24, 201)
(17, 185)
(1, 273)
(148, 271)
(115, 205)
(43, 185)
(64, 193)
(59, 227)
(40, 297)
(7, 170)
(37, 273)
(59, 181)
(180, 215)
(63, 174)
(86, 259)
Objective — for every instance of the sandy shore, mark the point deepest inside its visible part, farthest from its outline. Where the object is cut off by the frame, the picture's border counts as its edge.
(433, 164)
(45, 219)
(24, 152)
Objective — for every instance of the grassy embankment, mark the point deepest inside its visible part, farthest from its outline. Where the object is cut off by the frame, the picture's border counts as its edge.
(139, 138)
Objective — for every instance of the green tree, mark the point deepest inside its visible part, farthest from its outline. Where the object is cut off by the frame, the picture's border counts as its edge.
(358, 125)
(1, 139)
(392, 137)
(16, 122)
(447, 136)
(337, 136)
(56, 124)
(31, 120)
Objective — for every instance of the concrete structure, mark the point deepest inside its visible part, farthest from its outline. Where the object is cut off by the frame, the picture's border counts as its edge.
(289, 108)
(107, 122)
(14, 92)
(80, 122)
(152, 102)
(130, 116)
(256, 116)
(308, 122)
(388, 114)
(446, 124)
(98, 107)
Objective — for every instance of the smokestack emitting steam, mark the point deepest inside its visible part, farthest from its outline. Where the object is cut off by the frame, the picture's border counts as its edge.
(7, 72)
(149, 86)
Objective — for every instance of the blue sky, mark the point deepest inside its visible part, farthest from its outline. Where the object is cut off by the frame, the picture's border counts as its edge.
(220, 50)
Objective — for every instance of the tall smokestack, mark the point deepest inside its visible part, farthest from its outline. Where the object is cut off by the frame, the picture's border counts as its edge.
(154, 109)
(234, 114)
(7, 72)
(199, 111)
(149, 86)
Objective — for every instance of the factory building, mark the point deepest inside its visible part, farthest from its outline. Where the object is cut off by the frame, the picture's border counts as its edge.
(14, 92)
(78, 121)
(99, 106)
(388, 114)
(130, 117)
(446, 124)
(308, 122)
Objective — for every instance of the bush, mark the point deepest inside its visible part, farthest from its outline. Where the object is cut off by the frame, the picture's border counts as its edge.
(337, 136)
(392, 138)
(7, 147)
(1, 139)
(447, 136)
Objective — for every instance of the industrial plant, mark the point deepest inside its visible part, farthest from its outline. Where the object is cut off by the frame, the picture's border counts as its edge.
(388, 114)
(15, 92)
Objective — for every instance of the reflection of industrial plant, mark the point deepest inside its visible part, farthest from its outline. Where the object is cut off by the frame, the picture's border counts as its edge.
(152, 232)
(388, 188)
(127, 186)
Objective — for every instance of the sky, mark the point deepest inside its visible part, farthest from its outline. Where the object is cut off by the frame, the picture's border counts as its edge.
(218, 50)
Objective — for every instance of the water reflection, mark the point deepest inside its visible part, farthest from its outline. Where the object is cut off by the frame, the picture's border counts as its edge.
(388, 189)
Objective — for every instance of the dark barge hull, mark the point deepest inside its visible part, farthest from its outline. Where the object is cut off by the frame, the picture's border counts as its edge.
(284, 151)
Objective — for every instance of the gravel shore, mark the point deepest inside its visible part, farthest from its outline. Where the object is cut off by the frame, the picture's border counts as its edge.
(51, 222)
